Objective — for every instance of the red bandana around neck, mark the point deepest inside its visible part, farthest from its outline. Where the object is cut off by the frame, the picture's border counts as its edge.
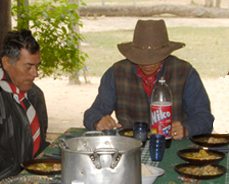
(148, 81)
(22, 99)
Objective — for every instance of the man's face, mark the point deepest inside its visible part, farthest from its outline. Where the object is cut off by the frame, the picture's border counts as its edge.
(149, 69)
(23, 71)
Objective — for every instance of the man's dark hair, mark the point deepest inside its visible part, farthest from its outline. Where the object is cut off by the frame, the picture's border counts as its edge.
(17, 40)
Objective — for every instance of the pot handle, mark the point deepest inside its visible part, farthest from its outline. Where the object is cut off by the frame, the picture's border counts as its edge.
(95, 156)
(63, 144)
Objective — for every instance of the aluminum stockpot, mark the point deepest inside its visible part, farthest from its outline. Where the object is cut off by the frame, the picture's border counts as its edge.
(101, 160)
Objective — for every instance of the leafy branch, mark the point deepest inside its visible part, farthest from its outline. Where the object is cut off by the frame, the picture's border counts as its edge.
(55, 25)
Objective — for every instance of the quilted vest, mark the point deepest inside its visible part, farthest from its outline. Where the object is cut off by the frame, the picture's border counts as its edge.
(133, 103)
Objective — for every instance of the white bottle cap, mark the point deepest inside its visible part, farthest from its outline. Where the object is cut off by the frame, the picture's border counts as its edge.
(161, 80)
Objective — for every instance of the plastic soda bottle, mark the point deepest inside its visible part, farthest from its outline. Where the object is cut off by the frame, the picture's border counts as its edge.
(161, 111)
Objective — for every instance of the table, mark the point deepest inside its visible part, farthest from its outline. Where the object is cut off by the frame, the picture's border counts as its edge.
(170, 159)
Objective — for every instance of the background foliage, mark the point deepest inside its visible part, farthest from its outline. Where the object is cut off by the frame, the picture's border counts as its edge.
(55, 25)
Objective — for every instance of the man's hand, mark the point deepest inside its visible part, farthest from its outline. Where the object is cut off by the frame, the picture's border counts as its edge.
(107, 123)
(178, 130)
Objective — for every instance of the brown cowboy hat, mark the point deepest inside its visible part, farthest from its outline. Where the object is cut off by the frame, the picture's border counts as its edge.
(150, 43)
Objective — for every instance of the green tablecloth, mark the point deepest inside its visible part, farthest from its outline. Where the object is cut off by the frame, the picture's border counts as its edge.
(170, 159)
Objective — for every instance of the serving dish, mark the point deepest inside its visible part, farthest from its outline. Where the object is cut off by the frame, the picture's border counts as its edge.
(126, 132)
(129, 133)
(43, 166)
(203, 172)
(31, 179)
(200, 156)
(211, 140)
(150, 173)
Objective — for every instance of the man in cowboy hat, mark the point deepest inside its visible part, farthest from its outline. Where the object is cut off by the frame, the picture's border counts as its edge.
(126, 87)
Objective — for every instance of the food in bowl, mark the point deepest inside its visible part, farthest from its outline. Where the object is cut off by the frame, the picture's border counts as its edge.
(129, 133)
(214, 140)
(204, 170)
(43, 166)
(126, 132)
(47, 167)
(200, 156)
(200, 172)
(211, 140)
(150, 173)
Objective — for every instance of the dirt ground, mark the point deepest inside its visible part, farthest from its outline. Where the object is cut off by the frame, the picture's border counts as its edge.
(66, 103)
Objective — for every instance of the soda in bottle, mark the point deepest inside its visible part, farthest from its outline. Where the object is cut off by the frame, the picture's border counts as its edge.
(161, 111)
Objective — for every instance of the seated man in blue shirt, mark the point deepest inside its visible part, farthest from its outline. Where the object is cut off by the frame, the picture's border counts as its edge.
(126, 86)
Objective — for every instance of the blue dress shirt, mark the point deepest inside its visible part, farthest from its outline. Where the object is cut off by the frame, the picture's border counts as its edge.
(196, 104)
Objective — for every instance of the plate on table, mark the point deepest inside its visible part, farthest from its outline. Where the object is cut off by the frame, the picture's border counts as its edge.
(200, 172)
(211, 140)
(129, 133)
(126, 132)
(150, 173)
(200, 156)
(31, 179)
(43, 166)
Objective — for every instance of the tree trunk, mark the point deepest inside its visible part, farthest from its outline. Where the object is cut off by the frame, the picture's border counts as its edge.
(5, 19)
(209, 3)
(217, 3)
(74, 78)
(148, 11)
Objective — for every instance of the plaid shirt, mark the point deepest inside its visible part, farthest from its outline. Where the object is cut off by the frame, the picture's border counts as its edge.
(121, 91)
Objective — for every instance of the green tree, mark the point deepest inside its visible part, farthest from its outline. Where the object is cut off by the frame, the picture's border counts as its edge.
(53, 24)
(22, 8)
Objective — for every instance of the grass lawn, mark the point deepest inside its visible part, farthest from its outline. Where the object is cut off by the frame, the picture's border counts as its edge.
(207, 49)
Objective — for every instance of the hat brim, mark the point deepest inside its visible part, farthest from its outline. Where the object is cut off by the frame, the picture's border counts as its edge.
(148, 56)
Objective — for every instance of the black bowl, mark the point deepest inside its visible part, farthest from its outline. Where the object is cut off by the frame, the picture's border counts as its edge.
(199, 172)
(38, 166)
(211, 140)
(126, 132)
(200, 156)
(129, 133)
